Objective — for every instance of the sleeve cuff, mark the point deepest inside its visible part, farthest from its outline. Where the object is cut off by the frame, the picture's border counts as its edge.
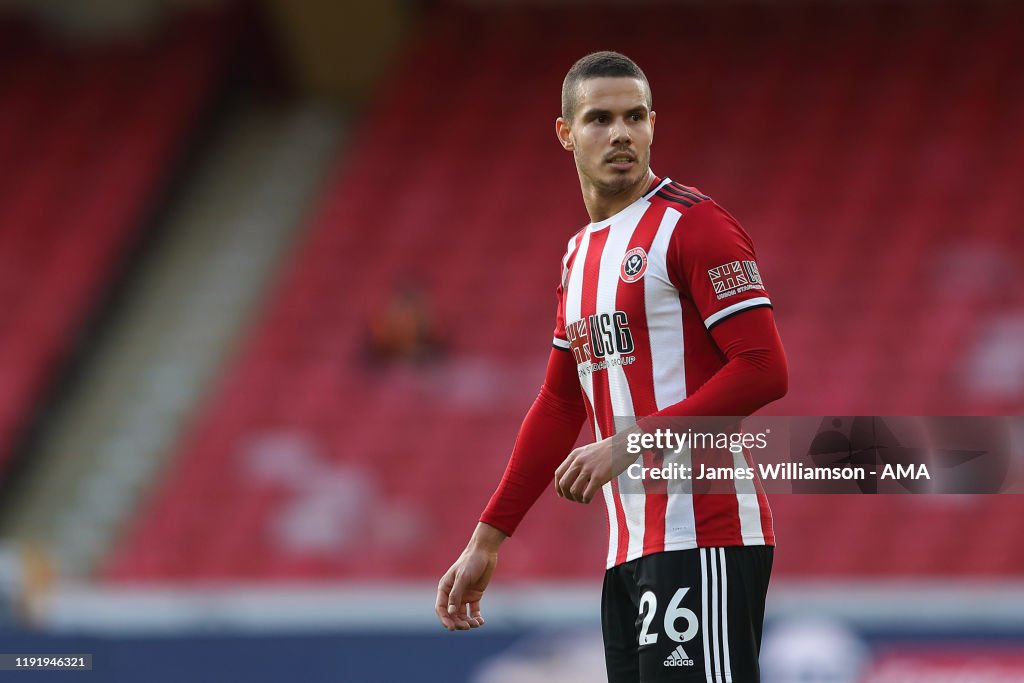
(560, 344)
(736, 308)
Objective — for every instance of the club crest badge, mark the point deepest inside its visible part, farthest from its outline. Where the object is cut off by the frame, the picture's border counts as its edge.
(634, 265)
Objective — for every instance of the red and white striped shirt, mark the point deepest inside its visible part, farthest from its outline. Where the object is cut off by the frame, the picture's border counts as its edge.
(639, 293)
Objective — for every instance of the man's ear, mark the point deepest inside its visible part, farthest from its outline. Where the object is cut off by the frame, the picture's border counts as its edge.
(563, 133)
(651, 118)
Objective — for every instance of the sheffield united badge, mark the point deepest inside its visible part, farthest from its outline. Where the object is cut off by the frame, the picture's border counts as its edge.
(634, 265)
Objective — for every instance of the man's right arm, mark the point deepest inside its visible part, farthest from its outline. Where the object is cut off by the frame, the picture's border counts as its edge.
(547, 435)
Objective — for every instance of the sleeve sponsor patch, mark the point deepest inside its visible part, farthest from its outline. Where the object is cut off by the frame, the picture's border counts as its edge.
(735, 277)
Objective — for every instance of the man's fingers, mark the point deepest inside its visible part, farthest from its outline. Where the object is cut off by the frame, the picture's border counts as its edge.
(475, 618)
(565, 484)
(578, 487)
(441, 604)
(560, 473)
(565, 464)
(590, 491)
(459, 591)
(568, 478)
(455, 618)
(455, 595)
(463, 619)
(449, 607)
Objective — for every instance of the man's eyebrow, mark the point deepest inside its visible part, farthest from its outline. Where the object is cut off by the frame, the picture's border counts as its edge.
(591, 114)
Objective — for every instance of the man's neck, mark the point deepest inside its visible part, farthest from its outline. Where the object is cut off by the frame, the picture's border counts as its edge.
(601, 206)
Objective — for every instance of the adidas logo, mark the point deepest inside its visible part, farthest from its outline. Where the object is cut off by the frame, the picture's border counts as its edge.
(678, 657)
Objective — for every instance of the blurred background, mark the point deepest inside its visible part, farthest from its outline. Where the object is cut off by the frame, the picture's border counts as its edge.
(277, 282)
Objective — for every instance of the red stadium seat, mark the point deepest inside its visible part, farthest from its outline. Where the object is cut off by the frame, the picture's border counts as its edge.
(86, 138)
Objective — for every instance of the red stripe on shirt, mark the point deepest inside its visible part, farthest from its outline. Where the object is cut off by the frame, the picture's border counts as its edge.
(602, 399)
(640, 378)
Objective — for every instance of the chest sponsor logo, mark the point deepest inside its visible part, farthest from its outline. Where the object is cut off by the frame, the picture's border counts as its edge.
(735, 277)
(594, 338)
(634, 265)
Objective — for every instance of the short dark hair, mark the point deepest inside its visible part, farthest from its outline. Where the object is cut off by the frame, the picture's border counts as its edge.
(598, 65)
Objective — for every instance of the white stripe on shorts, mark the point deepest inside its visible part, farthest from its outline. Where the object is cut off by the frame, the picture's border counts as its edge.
(727, 667)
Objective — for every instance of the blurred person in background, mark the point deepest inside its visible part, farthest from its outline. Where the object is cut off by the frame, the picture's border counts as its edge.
(403, 330)
(661, 313)
(26, 576)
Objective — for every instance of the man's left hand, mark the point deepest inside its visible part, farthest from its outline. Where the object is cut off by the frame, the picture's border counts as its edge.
(585, 471)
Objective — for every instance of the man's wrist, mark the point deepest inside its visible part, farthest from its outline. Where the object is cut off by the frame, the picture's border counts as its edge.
(487, 538)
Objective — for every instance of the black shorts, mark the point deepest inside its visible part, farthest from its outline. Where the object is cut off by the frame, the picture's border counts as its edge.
(686, 615)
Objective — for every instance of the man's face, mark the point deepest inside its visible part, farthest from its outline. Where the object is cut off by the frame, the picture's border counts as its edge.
(610, 133)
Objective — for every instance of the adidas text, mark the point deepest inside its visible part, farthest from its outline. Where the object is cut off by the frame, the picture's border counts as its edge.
(678, 658)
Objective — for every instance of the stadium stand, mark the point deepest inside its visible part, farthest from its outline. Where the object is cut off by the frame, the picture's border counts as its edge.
(873, 157)
(88, 134)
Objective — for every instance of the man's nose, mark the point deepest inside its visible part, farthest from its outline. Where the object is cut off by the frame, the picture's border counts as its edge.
(620, 132)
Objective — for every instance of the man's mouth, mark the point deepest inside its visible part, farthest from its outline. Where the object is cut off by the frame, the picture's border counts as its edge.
(620, 159)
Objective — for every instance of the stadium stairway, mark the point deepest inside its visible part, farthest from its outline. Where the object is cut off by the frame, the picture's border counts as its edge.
(872, 153)
(220, 246)
(87, 136)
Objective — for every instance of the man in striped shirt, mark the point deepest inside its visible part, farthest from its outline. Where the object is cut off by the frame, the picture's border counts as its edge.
(661, 314)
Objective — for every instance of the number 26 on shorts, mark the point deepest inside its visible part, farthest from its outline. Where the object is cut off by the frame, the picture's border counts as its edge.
(673, 614)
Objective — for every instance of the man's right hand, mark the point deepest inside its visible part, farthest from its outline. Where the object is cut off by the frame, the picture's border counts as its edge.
(462, 586)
